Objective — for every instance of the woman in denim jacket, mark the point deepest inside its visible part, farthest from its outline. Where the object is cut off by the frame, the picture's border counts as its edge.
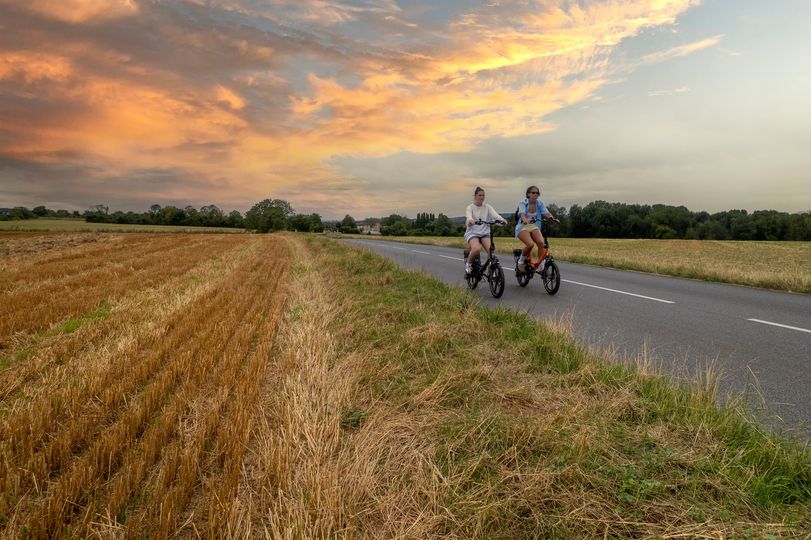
(527, 229)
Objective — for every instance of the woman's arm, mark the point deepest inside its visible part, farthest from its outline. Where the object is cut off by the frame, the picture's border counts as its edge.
(469, 215)
(493, 215)
(522, 212)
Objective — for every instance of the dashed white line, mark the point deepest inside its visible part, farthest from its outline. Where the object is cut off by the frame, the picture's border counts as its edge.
(781, 325)
(452, 258)
(619, 292)
(423, 252)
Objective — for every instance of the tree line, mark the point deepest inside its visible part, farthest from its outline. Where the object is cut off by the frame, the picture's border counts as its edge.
(601, 219)
(598, 219)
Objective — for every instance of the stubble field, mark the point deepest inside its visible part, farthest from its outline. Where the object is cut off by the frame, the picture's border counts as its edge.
(289, 386)
(131, 365)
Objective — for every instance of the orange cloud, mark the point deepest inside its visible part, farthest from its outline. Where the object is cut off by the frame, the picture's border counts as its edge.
(77, 11)
(221, 102)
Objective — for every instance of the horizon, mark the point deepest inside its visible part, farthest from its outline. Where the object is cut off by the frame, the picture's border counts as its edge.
(374, 107)
(407, 216)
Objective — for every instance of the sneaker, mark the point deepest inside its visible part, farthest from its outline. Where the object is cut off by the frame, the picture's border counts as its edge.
(468, 268)
(521, 260)
(542, 266)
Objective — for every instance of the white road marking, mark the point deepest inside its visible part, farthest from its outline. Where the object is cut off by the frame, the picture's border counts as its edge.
(452, 258)
(781, 325)
(423, 252)
(619, 292)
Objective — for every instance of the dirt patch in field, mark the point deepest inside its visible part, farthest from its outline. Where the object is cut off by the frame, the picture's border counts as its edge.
(17, 244)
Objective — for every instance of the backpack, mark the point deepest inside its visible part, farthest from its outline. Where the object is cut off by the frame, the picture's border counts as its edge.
(516, 214)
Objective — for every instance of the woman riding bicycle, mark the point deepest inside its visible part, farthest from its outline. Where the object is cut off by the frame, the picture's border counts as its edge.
(478, 235)
(530, 211)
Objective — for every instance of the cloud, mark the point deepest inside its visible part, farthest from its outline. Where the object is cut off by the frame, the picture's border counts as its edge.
(78, 11)
(244, 98)
(673, 92)
(681, 50)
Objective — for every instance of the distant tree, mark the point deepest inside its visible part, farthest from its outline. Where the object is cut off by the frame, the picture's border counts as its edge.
(235, 219)
(316, 225)
(212, 216)
(443, 226)
(172, 215)
(268, 215)
(348, 225)
(395, 225)
(40, 211)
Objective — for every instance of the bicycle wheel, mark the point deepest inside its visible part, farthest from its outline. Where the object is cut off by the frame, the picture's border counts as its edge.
(473, 277)
(551, 277)
(523, 277)
(496, 281)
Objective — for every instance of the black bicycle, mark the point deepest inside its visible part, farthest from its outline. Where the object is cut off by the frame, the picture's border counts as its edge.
(490, 270)
(545, 266)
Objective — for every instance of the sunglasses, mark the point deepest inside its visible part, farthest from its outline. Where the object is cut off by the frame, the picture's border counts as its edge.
(534, 192)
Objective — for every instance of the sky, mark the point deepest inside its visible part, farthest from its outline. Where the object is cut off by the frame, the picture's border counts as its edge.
(373, 107)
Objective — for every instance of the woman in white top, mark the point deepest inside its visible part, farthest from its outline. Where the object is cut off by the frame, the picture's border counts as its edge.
(478, 235)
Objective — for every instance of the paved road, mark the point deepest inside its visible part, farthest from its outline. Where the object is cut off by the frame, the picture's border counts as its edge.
(760, 339)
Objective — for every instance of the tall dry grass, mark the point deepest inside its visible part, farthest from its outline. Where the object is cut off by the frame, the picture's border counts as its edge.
(400, 408)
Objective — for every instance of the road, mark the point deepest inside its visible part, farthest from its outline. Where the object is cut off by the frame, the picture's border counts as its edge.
(760, 339)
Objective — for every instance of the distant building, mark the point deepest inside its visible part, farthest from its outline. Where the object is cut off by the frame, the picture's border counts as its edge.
(369, 228)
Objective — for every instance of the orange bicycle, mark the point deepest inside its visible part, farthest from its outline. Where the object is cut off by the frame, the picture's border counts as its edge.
(545, 266)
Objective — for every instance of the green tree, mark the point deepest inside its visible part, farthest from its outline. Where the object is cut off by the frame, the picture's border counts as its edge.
(443, 226)
(235, 220)
(268, 215)
(348, 225)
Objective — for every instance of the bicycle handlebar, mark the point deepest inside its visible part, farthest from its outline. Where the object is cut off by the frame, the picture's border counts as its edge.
(482, 222)
(535, 220)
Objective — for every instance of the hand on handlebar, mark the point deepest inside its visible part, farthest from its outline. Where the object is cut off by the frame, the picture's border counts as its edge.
(482, 222)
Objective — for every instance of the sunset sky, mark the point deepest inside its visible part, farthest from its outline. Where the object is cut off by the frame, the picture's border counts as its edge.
(369, 107)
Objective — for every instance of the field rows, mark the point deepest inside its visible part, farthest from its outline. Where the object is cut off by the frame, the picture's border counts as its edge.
(136, 421)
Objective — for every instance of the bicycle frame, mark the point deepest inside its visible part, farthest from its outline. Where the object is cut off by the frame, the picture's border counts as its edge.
(550, 273)
(534, 264)
(491, 269)
(491, 256)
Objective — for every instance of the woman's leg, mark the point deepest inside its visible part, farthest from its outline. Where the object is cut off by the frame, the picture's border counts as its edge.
(486, 246)
(537, 237)
(526, 238)
(475, 247)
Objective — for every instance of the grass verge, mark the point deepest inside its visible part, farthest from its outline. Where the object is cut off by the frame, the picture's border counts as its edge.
(783, 266)
(400, 407)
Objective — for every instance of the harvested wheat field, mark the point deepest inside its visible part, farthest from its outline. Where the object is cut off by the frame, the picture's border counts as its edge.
(290, 386)
(130, 369)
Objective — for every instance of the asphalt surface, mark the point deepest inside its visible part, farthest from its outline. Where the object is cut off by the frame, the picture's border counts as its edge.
(759, 339)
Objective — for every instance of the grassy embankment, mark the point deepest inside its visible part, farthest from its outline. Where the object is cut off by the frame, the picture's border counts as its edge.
(400, 407)
(784, 266)
(80, 225)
